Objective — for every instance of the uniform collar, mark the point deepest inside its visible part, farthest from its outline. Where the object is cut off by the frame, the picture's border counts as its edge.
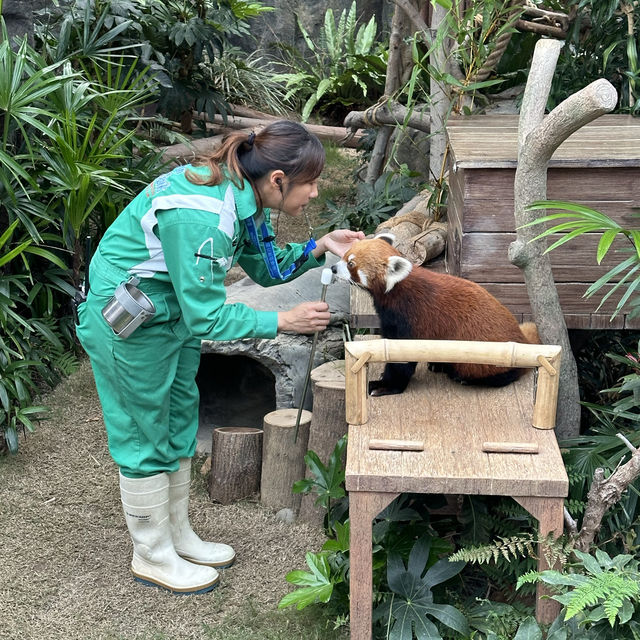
(246, 205)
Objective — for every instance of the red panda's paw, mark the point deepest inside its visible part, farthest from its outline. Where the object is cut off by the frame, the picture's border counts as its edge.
(380, 388)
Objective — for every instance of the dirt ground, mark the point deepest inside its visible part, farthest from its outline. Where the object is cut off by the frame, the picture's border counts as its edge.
(65, 550)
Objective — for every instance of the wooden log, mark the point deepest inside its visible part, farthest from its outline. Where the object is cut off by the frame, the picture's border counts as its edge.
(339, 135)
(236, 459)
(282, 458)
(418, 237)
(328, 425)
(390, 113)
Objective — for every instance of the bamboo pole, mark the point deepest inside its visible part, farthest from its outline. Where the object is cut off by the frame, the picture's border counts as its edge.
(546, 358)
(502, 354)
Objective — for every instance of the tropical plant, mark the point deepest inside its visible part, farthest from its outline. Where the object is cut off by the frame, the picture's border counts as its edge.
(345, 67)
(93, 138)
(247, 79)
(411, 604)
(66, 152)
(581, 219)
(327, 481)
(175, 41)
(477, 30)
(31, 350)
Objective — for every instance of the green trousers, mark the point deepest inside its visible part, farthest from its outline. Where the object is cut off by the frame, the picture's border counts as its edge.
(146, 383)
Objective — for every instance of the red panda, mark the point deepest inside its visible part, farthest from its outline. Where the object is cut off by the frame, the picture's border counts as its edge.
(413, 302)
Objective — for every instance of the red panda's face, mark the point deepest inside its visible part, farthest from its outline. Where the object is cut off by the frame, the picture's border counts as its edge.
(373, 264)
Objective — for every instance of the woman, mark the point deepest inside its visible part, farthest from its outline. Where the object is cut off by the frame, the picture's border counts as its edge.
(178, 238)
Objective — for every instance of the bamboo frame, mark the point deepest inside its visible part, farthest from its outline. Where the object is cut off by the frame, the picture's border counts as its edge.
(546, 358)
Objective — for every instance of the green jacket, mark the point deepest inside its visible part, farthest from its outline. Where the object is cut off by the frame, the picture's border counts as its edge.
(188, 236)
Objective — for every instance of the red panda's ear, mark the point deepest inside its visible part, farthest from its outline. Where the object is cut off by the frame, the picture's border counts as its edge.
(398, 269)
(387, 237)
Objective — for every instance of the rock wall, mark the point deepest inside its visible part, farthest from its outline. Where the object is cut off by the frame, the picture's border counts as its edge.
(18, 15)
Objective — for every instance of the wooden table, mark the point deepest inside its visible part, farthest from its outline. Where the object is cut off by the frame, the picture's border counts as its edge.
(453, 422)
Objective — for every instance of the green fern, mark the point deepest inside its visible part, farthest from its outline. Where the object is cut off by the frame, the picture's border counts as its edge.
(555, 550)
(607, 588)
(507, 548)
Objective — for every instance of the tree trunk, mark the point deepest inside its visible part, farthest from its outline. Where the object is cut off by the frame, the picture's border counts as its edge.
(236, 458)
(538, 138)
(282, 458)
(328, 424)
(392, 82)
(440, 101)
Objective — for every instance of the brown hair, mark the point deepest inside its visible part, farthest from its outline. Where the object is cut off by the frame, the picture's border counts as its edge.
(283, 145)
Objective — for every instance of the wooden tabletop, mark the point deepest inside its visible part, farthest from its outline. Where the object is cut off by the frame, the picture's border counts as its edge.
(492, 142)
(453, 421)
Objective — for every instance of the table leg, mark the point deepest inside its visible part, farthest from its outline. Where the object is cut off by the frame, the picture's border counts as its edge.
(364, 506)
(550, 515)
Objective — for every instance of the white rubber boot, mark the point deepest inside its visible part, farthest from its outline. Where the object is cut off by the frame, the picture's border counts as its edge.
(155, 562)
(185, 540)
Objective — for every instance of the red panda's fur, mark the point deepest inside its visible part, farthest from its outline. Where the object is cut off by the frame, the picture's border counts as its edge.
(423, 304)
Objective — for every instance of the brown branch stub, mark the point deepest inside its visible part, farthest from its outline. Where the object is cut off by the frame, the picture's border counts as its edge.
(603, 494)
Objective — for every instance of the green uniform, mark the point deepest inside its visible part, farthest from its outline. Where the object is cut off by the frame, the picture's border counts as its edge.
(179, 239)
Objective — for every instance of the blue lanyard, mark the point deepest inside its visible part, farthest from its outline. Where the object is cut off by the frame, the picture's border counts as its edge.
(265, 246)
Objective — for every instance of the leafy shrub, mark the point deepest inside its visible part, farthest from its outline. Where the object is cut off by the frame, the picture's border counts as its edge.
(374, 204)
(602, 43)
(404, 595)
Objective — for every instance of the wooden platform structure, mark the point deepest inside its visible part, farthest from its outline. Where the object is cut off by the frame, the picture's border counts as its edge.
(437, 437)
(599, 166)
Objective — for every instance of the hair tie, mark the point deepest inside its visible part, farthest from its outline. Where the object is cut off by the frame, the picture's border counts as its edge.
(251, 138)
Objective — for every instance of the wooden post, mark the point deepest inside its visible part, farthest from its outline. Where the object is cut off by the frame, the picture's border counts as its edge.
(236, 459)
(328, 424)
(282, 458)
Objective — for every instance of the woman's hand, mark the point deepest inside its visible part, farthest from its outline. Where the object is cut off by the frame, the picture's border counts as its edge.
(307, 317)
(337, 242)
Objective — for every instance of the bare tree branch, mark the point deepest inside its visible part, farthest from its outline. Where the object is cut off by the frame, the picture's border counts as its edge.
(538, 138)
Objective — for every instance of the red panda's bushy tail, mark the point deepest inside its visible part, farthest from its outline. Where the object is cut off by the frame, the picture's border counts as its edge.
(530, 332)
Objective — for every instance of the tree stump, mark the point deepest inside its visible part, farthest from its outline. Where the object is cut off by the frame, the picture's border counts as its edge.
(236, 460)
(282, 458)
(328, 425)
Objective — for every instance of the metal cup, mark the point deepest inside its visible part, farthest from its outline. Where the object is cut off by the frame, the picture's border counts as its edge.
(128, 308)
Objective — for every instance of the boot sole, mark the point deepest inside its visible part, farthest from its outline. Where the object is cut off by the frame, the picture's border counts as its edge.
(178, 592)
(220, 565)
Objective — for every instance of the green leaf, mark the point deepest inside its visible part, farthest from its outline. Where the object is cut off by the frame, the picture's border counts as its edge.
(605, 243)
(442, 571)
(529, 630)
(413, 601)
(318, 584)
(589, 562)
(306, 596)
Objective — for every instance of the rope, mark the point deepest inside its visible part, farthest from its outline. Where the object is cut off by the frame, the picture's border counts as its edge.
(501, 45)
(369, 116)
